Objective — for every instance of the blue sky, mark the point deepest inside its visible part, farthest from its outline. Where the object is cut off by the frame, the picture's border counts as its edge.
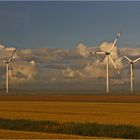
(63, 24)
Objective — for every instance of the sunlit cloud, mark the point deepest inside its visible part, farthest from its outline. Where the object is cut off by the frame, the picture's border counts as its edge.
(47, 66)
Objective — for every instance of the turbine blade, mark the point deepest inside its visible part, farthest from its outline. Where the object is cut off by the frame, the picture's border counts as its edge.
(99, 53)
(114, 42)
(11, 68)
(127, 58)
(114, 64)
(9, 59)
(136, 60)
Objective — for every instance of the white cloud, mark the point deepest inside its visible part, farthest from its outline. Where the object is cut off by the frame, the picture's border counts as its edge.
(2, 46)
(54, 66)
(97, 68)
(132, 52)
(68, 73)
(83, 50)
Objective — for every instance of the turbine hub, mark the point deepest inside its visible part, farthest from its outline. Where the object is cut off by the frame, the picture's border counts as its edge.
(6, 62)
(107, 53)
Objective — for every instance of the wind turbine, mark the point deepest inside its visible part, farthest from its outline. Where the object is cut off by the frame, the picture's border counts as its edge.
(131, 62)
(8, 65)
(108, 57)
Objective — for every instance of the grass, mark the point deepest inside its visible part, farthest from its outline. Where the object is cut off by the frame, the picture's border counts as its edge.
(73, 128)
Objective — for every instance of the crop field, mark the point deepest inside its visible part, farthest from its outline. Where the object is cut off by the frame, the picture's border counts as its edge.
(13, 134)
(79, 110)
(104, 113)
(72, 97)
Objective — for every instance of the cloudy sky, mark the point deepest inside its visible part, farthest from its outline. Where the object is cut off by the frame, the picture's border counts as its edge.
(48, 35)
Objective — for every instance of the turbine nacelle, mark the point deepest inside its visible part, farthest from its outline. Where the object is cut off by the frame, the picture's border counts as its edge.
(107, 53)
(118, 35)
(6, 62)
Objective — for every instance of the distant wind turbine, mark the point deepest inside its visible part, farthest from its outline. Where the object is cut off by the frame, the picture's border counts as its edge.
(8, 65)
(131, 62)
(108, 57)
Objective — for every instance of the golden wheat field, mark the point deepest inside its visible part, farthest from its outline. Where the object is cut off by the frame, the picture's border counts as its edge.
(99, 112)
(103, 110)
(13, 134)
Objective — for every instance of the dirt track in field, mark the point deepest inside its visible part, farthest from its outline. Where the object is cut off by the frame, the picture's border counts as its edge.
(74, 98)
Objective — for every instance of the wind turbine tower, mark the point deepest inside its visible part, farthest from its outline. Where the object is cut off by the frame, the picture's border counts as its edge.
(109, 58)
(131, 62)
(8, 65)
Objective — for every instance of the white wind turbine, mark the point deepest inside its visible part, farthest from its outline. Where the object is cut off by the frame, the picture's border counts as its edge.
(8, 65)
(131, 62)
(108, 57)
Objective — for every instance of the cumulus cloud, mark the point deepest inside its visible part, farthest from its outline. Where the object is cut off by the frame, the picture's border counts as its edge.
(132, 52)
(69, 73)
(28, 70)
(46, 66)
(2, 46)
(23, 70)
(83, 50)
(97, 68)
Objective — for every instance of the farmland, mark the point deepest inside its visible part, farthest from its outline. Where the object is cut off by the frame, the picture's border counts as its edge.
(116, 110)
(71, 97)
(104, 113)
(13, 134)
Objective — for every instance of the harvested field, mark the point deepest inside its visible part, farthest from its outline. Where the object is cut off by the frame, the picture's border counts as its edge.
(99, 112)
(74, 98)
